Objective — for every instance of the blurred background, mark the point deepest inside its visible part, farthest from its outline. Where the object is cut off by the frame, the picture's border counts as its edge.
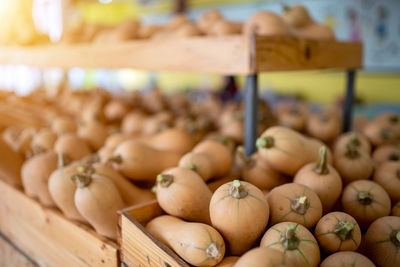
(374, 22)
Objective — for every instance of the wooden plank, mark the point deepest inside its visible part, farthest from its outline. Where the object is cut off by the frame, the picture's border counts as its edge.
(48, 237)
(216, 55)
(223, 55)
(138, 247)
(10, 256)
(281, 54)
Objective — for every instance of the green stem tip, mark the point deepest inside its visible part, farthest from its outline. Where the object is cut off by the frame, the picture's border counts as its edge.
(164, 180)
(265, 142)
(365, 197)
(237, 190)
(344, 230)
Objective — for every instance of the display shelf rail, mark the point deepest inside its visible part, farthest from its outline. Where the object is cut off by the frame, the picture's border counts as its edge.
(229, 55)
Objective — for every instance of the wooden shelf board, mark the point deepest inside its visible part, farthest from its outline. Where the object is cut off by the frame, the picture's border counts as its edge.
(48, 237)
(223, 55)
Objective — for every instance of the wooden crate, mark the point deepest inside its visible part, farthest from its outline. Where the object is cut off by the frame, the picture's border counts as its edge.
(138, 247)
(48, 237)
(235, 54)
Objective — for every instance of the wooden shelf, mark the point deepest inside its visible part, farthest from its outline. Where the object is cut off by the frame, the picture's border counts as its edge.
(223, 55)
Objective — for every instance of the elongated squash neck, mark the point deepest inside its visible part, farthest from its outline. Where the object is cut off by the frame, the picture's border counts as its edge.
(344, 230)
(265, 142)
(365, 198)
(213, 251)
(395, 237)
(289, 239)
(237, 190)
(300, 204)
(352, 151)
(322, 164)
(164, 180)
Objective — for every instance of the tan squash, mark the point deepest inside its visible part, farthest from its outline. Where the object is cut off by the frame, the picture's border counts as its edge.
(35, 174)
(228, 261)
(391, 120)
(396, 210)
(263, 257)
(115, 139)
(297, 16)
(172, 139)
(186, 30)
(317, 31)
(338, 231)
(209, 158)
(98, 200)
(62, 125)
(355, 139)
(133, 122)
(140, 162)
(72, 147)
(353, 164)
(131, 194)
(294, 203)
(62, 190)
(10, 164)
(385, 153)
(383, 241)
(296, 242)
(347, 258)
(266, 23)
(366, 201)
(286, 150)
(224, 27)
(182, 192)
(105, 153)
(115, 110)
(295, 118)
(44, 140)
(94, 133)
(323, 179)
(257, 172)
(324, 126)
(379, 133)
(214, 184)
(197, 243)
(208, 19)
(387, 175)
(240, 212)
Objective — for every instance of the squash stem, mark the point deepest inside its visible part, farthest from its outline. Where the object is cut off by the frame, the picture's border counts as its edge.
(394, 118)
(344, 230)
(354, 140)
(365, 198)
(242, 155)
(395, 237)
(82, 180)
(288, 239)
(352, 151)
(237, 190)
(164, 180)
(322, 164)
(300, 204)
(213, 251)
(192, 167)
(266, 142)
(115, 159)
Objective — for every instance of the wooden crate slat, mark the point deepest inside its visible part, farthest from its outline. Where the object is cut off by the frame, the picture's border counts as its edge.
(223, 55)
(138, 247)
(48, 237)
(280, 54)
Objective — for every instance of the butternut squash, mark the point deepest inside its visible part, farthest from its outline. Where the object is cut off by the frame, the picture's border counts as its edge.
(62, 190)
(263, 257)
(325, 126)
(228, 261)
(387, 175)
(98, 200)
(197, 243)
(240, 212)
(72, 147)
(10, 164)
(44, 140)
(287, 151)
(94, 133)
(62, 125)
(266, 23)
(115, 139)
(115, 110)
(347, 258)
(295, 241)
(132, 159)
(35, 174)
(183, 193)
(385, 153)
(173, 139)
(355, 139)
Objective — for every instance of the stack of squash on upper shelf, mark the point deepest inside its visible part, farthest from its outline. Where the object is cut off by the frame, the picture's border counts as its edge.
(309, 195)
(294, 22)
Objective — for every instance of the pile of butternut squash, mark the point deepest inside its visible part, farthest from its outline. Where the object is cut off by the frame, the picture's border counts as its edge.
(309, 196)
(294, 22)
